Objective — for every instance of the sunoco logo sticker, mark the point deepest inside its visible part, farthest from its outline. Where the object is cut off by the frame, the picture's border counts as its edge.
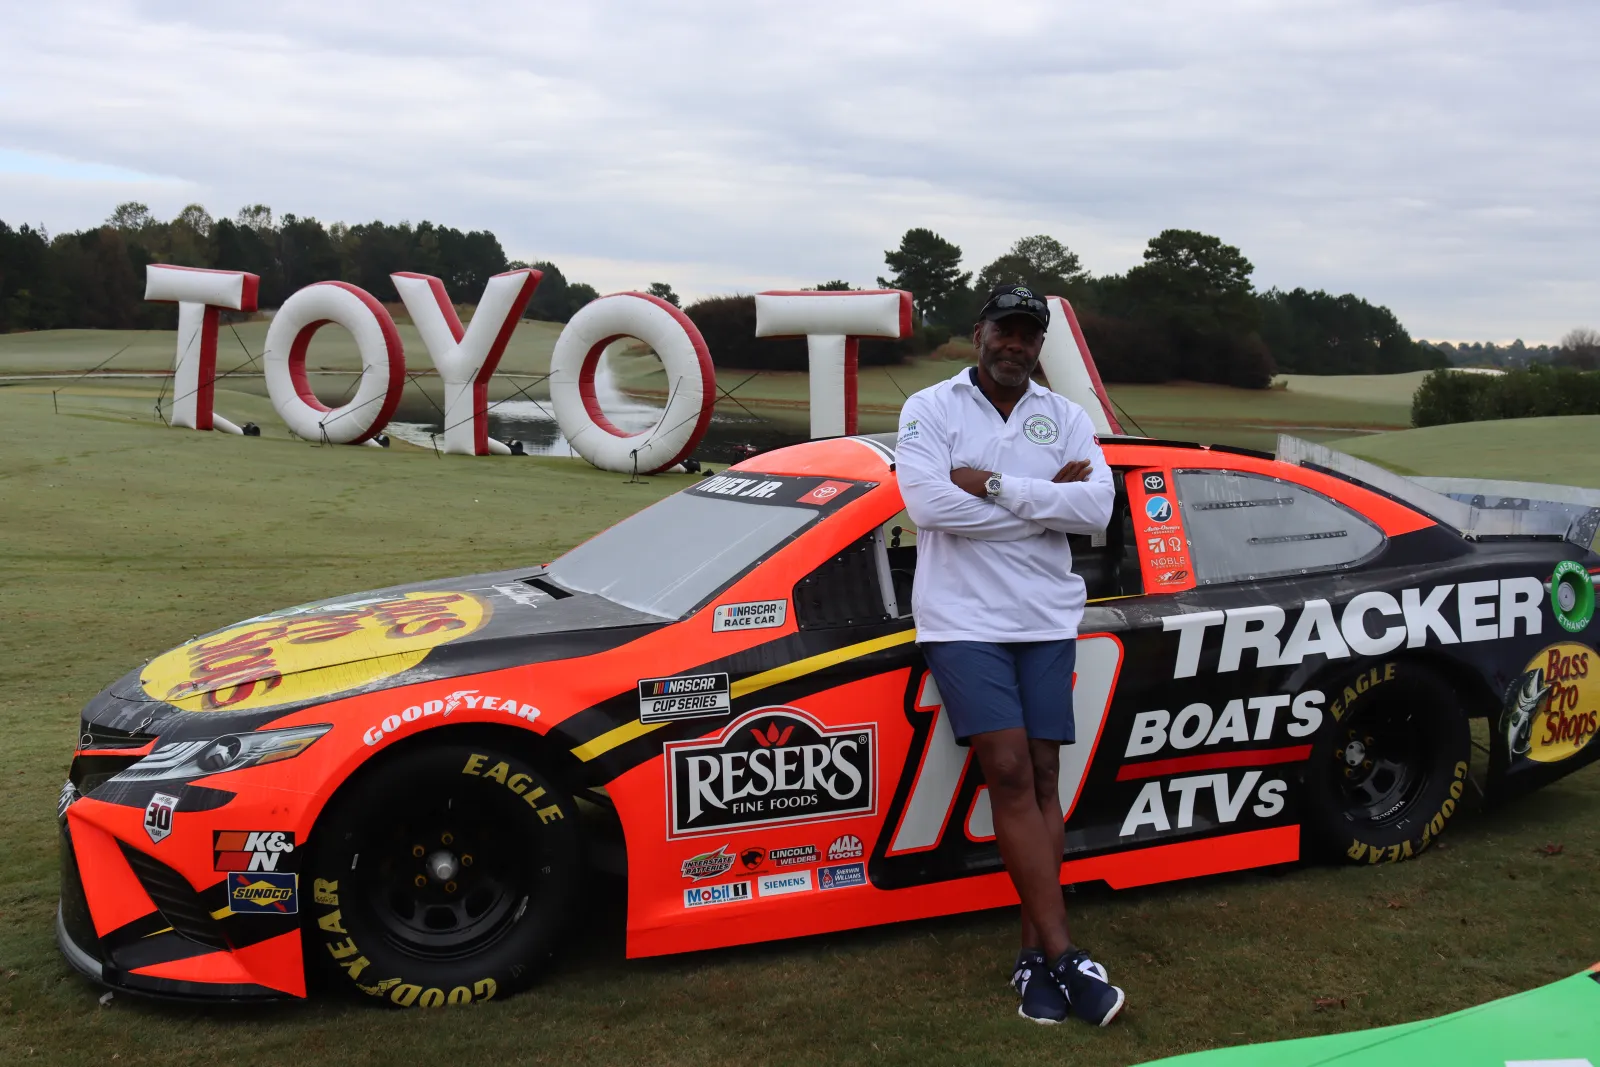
(772, 767)
(302, 655)
(264, 893)
(1554, 712)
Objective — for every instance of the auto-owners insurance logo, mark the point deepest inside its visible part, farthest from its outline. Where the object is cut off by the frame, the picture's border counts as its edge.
(772, 767)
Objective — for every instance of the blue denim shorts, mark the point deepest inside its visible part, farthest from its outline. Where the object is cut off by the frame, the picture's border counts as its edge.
(1000, 686)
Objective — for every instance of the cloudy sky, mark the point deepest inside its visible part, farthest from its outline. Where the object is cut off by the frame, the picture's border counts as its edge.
(1438, 158)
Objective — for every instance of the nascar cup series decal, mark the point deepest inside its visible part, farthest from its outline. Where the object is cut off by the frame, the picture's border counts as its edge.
(684, 696)
(772, 767)
(1554, 711)
(307, 654)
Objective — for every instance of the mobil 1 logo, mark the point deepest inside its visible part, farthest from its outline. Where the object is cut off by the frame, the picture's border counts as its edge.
(772, 767)
(685, 696)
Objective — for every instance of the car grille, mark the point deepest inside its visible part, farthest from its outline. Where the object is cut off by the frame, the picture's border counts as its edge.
(176, 899)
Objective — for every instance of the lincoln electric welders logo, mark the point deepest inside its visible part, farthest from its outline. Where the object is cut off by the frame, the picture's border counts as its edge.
(774, 766)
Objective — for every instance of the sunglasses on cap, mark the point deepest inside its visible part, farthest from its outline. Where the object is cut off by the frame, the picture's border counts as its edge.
(1010, 303)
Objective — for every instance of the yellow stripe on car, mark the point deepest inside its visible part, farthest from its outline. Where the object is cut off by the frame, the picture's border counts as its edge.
(629, 731)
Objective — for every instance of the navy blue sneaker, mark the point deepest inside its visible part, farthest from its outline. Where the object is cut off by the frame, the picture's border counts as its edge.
(1043, 1000)
(1087, 988)
(1030, 961)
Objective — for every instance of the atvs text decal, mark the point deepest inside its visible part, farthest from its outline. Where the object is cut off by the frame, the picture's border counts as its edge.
(1371, 624)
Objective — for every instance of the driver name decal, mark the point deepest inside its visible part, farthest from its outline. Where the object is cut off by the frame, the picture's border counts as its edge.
(773, 767)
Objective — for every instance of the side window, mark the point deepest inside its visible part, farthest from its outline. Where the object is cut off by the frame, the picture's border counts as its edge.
(852, 588)
(1249, 526)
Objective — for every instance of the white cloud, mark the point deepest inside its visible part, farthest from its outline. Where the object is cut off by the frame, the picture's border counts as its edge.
(1437, 158)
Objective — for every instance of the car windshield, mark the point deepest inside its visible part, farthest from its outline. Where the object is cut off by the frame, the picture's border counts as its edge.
(667, 559)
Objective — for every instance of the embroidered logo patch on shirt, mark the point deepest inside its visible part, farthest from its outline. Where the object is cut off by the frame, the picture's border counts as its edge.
(909, 432)
(1041, 429)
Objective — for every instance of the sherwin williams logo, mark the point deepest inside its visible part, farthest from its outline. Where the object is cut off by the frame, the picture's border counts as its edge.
(726, 893)
(266, 893)
(842, 877)
(1158, 508)
(708, 864)
(302, 655)
(773, 766)
(1555, 707)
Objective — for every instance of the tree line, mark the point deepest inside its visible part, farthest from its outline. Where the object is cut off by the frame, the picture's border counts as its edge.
(94, 278)
(1188, 311)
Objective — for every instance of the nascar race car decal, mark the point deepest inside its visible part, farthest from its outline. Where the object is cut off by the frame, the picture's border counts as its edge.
(404, 789)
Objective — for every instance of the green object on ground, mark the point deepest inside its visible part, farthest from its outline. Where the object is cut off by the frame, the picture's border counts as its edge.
(1557, 1025)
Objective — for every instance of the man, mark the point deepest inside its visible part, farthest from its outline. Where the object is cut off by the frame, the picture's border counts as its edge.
(996, 471)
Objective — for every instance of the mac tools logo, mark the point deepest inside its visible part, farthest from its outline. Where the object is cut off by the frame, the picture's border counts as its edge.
(773, 767)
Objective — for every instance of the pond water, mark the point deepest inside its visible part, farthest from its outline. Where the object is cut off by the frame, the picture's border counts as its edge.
(728, 439)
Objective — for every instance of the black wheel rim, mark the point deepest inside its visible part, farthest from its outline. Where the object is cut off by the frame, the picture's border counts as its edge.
(1382, 761)
(448, 873)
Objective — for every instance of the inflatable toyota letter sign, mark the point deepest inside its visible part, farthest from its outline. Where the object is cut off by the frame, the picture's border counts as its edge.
(832, 323)
(466, 358)
(199, 294)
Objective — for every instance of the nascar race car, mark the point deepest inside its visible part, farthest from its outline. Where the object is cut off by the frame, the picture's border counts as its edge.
(722, 698)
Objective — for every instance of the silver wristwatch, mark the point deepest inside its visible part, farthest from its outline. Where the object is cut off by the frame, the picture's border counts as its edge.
(991, 487)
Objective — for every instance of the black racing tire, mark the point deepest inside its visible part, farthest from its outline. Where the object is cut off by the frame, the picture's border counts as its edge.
(444, 875)
(1388, 766)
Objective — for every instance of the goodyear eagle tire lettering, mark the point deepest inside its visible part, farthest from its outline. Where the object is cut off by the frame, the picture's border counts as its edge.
(1388, 768)
(443, 876)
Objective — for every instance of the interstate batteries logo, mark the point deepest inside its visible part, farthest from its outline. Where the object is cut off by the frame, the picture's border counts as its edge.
(1554, 711)
(686, 696)
(773, 767)
(302, 655)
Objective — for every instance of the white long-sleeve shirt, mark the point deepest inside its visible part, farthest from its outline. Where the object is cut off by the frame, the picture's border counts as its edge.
(998, 569)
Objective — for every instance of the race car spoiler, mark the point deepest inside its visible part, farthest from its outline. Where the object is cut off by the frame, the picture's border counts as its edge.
(1475, 508)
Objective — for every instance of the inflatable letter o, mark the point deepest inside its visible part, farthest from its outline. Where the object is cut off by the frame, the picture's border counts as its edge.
(383, 363)
(691, 383)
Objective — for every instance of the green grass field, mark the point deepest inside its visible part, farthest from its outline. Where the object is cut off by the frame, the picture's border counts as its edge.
(122, 538)
(1317, 408)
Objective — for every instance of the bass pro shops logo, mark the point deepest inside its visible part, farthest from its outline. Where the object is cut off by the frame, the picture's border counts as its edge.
(773, 767)
(1554, 710)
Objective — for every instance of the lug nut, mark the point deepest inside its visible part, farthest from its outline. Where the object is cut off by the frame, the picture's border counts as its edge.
(417, 850)
(466, 859)
(449, 887)
(447, 838)
(420, 880)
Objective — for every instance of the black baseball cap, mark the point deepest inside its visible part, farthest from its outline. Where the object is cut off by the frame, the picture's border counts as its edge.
(1008, 299)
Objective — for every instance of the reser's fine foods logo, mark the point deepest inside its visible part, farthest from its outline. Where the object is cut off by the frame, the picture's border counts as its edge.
(774, 766)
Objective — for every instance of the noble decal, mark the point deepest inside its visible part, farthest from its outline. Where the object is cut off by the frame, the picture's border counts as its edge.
(760, 615)
(686, 696)
(158, 816)
(772, 767)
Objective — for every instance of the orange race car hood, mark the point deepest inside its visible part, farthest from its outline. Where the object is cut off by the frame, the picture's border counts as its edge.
(334, 648)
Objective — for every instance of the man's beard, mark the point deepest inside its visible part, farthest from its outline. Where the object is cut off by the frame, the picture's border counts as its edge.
(1003, 375)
